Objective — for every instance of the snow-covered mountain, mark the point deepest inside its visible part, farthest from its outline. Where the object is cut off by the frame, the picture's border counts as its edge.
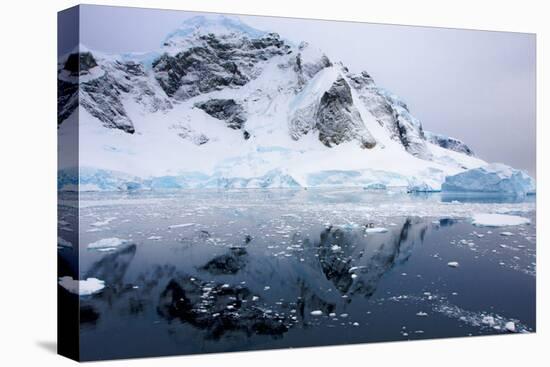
(221, 104)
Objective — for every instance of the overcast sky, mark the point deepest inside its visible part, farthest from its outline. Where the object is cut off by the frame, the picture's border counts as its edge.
(477, 86)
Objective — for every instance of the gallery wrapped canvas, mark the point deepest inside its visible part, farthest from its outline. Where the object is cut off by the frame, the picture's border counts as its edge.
(236, 183)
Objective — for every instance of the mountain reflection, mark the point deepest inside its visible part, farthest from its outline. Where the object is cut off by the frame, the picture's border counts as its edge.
(355, 263)
(227, 295)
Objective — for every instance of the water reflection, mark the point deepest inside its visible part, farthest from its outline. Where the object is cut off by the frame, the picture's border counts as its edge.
(220, 302)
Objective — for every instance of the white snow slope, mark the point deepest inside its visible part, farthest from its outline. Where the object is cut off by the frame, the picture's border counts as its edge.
(178, 145)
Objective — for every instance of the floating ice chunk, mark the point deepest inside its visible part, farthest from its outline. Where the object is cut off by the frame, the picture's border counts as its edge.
(107, 243)
(63, 242)
(510, 326)
(316, 313)
(421, 314)
(82, 287)
(453, 264)
(376, 230)
(103, 222)
(335, 248)
(183, 225)
(498, 220)
(416, 185)
(494, 178)
(154, 238)
(506, 234)
(488, 320)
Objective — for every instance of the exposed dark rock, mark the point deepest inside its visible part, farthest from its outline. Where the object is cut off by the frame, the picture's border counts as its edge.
(393, 114)
(80, 62)
(225, 109)
(102, 95)
(103, 100)
(449, 143)
(338, 120)
(217, 62)
(67, 99)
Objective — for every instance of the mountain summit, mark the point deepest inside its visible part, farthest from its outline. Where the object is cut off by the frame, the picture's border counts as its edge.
(222, 104)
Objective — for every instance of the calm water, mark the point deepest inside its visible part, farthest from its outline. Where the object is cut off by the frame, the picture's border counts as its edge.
(245, 270)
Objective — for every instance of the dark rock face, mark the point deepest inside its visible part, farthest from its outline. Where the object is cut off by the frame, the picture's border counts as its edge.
(218, 62)
(80, 62)
(338, 120)
(67, 99)
(306, 69)
(227, 110)
(449, 143)
(102, 100)
(102, 95)
(393, 114)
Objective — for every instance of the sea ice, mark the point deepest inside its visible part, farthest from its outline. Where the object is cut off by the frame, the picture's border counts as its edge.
(316, 313)
(82, 287)
(376, 230)
(498, 220)
(107, 242)
(63, 242)
(453, 264)
(183, 225)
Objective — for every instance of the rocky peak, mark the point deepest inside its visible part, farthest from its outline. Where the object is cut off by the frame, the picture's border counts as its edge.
(80, 63)
(214, 62)
(338, 120)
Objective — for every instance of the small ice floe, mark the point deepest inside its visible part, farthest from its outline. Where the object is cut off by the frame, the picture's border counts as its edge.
(355, 324)
(453, 264)
(154, 238)
(61, 242)
(498, 220)
(353, 276)
(183, 225)
(481, 320)
(82, 287)
(266, 288)
(255, 298)
(104, 222)
(107, 243)
(376, 230)
(421, 314)
(506, 234)
(335, 248)
(488, 320)
(316, 313)
(510, 326)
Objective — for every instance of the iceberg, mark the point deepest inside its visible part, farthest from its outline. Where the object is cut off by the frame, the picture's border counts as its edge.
(106, 243)
(82, 287)
(492, 178)
(498, 220)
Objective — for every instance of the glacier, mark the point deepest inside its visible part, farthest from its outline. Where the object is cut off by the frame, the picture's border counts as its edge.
(493, 178)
